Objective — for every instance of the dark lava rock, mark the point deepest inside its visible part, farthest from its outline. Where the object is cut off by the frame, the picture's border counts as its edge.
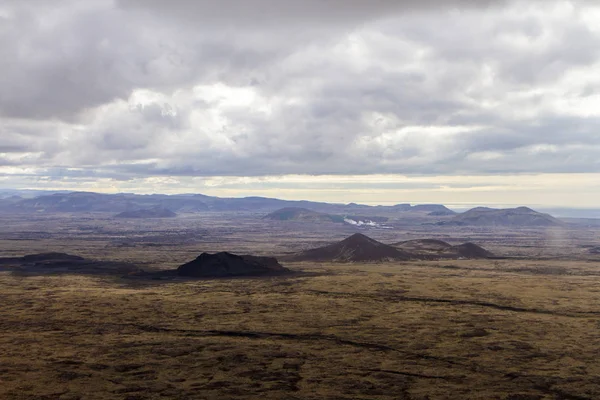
(44, 257)
(65, 263)
(226, 264)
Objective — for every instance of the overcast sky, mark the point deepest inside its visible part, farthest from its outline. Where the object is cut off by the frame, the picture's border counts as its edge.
(382, 101)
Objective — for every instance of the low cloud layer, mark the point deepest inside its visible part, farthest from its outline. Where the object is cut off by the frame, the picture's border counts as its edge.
(130, 89)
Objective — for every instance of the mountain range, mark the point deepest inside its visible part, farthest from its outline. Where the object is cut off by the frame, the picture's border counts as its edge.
(117, 203)
(73, 202)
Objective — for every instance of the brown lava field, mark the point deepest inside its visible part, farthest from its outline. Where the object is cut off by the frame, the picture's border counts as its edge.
(520, 328)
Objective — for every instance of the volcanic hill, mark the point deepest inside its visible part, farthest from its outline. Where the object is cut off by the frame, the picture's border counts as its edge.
(521, 217)
(226, 265)
(432, 248)
(356, 248)
(156, 212)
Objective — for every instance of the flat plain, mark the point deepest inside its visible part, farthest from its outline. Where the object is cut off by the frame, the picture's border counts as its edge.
(524, 327)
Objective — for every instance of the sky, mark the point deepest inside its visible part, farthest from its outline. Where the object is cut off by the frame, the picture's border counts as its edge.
(386, 101)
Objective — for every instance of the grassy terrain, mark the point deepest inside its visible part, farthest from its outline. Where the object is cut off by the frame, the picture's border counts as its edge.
(469, 330)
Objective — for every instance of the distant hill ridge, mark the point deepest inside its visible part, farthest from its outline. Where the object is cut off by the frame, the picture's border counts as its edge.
(509, 217)
(120, 202)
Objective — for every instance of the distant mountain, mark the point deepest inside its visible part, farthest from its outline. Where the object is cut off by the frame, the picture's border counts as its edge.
(29, 194)
(12, 199)
(356, 248)
(9, 202)
(301, 214)
(157, 212)
(438, 249)
(511, 217)
(96, 202)
(116, 203)
(441, 213)
(432, 209)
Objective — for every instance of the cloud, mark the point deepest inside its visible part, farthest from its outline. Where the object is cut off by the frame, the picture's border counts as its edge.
(61, 58)
(139, 90)
(57, 63)
(257, 13)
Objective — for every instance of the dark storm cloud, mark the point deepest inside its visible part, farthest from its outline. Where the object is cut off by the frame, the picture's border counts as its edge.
(263, 87)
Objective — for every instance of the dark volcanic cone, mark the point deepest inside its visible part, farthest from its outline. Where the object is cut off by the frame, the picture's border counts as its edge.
(226, 264)
(358, 247)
